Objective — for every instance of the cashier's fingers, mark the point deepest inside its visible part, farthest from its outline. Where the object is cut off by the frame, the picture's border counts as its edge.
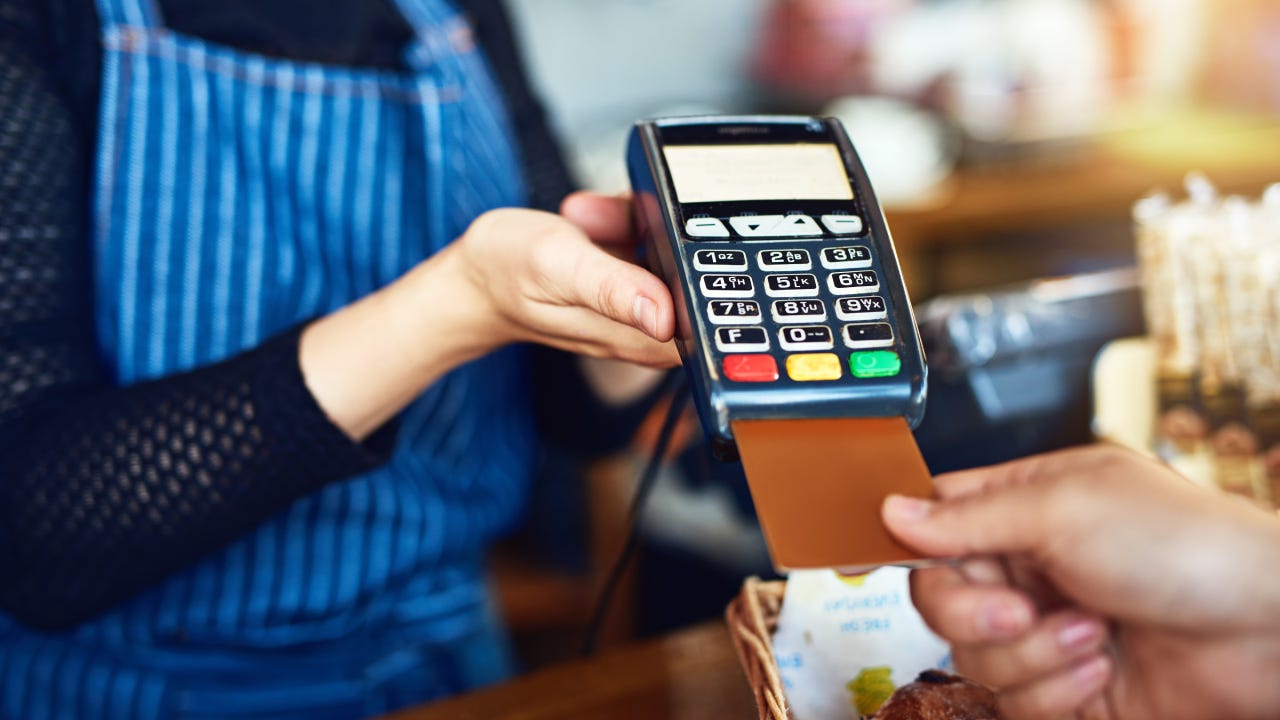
(582, 331)
(617, 290)
(1053, 644)
(606, 219)
(525, 262)
(1066, 693)
(964, 612)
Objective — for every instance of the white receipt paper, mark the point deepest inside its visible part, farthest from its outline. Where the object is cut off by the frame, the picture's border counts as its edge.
(843, 644)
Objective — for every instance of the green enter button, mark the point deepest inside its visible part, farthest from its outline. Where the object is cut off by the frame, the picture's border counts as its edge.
(875, 363)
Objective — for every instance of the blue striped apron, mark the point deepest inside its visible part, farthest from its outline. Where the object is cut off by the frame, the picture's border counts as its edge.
(237, 196)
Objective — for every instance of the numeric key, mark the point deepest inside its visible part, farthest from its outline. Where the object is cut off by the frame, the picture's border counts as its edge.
(851, 257)
(857, 282)
(798, 338)
(871, 307)
(791, 311)
(791, 285)
(720, 260)
(727, 286)
(734, 312)
(792, 259)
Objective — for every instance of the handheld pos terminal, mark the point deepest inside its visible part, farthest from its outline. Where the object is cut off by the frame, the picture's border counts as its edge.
(793, 323)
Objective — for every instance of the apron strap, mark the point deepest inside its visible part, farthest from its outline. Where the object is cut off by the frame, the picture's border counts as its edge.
(440, 31)
(134, 13)
(426, 16)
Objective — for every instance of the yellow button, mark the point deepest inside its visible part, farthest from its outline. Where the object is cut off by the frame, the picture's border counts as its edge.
(816, 366)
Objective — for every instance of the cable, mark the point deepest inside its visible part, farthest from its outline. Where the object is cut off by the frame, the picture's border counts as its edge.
(679, 400)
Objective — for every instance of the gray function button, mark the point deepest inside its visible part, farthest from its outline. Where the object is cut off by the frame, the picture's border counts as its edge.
(755, 225)
(806, 337)
(796, 226)
(850, 257)
(870, 307)
(857, 282)
(720, 260)
(842, 224)
(728, 286)
(741, 339)
(784, 259)
(791, 285)
(791, 311)
(868, 335)
(706, 228)
(734, 312)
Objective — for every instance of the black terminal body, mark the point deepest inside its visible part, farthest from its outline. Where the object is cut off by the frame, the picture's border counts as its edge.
(789, 299)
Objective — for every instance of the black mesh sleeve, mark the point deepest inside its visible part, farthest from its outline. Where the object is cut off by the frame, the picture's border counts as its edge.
(105, 490)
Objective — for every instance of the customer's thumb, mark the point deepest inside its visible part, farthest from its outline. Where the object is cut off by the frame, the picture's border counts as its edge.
(1001, 520)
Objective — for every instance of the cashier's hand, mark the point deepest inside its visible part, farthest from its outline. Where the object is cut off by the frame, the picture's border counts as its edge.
(1096, 583)
(568, 281)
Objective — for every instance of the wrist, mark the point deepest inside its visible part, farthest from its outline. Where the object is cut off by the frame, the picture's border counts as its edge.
(440, 304)
(367, 361)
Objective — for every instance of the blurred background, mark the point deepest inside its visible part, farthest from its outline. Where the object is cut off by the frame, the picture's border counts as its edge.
(1008, 141)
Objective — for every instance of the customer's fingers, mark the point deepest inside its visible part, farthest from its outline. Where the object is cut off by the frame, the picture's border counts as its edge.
(1058, 695)
(1052, 645)
(964, 612)
(1009, 520)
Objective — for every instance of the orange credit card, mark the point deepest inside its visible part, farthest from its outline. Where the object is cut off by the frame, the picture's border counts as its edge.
(818, 485)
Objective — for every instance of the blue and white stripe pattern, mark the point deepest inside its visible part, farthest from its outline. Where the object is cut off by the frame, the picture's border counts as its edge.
(237, 196)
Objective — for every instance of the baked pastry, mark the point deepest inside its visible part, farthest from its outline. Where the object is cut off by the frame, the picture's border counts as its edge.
(936, 695)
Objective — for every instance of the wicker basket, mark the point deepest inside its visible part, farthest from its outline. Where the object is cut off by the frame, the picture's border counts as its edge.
(752, 617)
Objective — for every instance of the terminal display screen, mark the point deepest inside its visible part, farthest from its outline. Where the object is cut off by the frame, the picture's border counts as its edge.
(750, 172)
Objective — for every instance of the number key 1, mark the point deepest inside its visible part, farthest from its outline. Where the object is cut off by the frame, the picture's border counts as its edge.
(720, 260)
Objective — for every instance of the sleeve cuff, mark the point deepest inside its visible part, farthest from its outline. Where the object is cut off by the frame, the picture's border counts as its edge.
(319, 450)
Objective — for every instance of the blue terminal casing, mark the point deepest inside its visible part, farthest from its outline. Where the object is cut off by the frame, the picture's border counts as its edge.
(663, 222)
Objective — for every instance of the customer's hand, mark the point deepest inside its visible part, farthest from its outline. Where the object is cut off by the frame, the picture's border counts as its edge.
(569, 281)
(1096, 583)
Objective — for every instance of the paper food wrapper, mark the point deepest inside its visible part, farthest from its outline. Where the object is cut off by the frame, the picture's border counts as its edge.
(844, 644)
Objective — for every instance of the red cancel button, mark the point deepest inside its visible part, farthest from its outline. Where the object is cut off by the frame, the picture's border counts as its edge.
(750, 368)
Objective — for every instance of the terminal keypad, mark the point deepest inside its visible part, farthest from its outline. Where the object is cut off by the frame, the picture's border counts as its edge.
(817, 311)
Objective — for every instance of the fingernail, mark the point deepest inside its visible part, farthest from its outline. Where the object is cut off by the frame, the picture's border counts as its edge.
(906, 508)
(1000, 619)
(644, 312)
(1092, 671)
(1080, 633)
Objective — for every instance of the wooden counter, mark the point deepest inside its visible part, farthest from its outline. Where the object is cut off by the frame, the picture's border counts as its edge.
(1079, 189)
(691, 675)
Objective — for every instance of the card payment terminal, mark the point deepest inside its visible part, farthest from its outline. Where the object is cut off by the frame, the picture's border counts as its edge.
(792, 320)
